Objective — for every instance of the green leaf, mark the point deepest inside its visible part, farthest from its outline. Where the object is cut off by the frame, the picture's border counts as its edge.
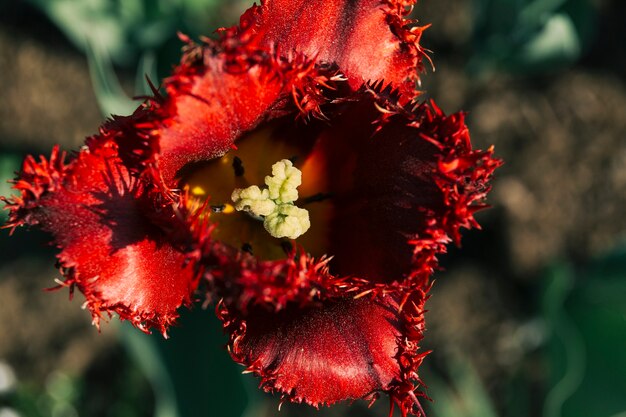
(191, 372)
(146, 70)
(530, 36)
(587, 315)
(9, 165)
(124, 29)
(94, 22)
(568, 349)
(557, 43)
(464, 396)
(111, 97)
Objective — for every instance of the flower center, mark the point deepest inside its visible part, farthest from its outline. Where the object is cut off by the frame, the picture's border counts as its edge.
(263, 219)
(274, 205)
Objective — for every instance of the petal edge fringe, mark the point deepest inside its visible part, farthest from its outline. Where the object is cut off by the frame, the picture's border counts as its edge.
(114, 232)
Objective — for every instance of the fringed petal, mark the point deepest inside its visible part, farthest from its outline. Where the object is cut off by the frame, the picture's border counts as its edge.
(221, 90)
(397, 183)
(225, 88)
(368, 39)
(244, 282)
(211, 108)
(335, 350)
(120, 242)
(402, 182)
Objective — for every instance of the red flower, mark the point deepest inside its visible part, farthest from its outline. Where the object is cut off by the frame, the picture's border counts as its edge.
(388, 184)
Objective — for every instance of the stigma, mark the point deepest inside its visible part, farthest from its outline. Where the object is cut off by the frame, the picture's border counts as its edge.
(274, 205)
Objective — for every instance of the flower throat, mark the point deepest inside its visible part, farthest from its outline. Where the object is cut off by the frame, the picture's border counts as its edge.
(259, 213)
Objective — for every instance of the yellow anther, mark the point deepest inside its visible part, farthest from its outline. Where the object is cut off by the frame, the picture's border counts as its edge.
(197, 190)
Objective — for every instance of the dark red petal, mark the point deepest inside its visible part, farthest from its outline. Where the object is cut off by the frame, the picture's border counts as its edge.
(404, 181)
(221, 90)
(339, 349)
(224, 89)
(244, 282)
(212, 111)
(368, 39)
(109, 229)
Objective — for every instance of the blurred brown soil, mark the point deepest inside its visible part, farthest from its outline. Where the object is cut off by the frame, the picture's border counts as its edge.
(41, 331)
(562, 190)
(47, 99)
(47, 96)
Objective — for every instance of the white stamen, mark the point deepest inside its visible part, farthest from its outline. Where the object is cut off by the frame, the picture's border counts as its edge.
(287, 221)
(254, 200)
(284, 182)
(281, 218)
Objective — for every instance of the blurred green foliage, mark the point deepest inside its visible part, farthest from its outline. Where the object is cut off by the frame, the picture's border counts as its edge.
(125, 29)
(119, 392)
(584, 316)
(137, 34)
(191, 373)
(9, 165)
(589, 338)
(463, 396)
(530, 36)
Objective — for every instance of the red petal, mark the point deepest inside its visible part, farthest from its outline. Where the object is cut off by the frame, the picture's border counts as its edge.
(341, 349)
(403, 181)
(212, 111)
(243, 281)
(221, 90)
(226, 88)
(105, 223)
(368, 39)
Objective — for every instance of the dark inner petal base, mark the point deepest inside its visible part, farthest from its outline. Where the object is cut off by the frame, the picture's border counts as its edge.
(403, 182)
(248, 165)
(371, 190)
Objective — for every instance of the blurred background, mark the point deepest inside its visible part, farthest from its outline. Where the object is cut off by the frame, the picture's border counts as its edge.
(527, 319)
